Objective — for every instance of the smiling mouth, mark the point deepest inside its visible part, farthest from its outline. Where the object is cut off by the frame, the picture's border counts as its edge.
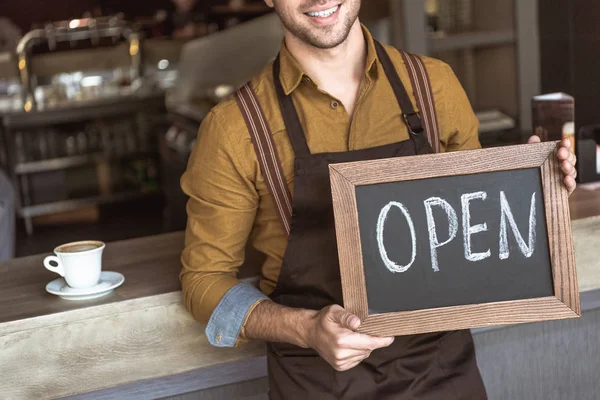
(324, 13)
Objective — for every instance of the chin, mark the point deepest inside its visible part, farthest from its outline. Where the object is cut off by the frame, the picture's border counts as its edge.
(325, 38)
(323, 34)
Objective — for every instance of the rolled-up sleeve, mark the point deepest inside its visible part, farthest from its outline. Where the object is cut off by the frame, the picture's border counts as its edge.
(221, 211)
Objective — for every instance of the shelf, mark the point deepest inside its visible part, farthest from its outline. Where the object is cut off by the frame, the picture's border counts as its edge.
(77, 112)
(57, 164)
(461, 41)
(74, 204)
(494, 121)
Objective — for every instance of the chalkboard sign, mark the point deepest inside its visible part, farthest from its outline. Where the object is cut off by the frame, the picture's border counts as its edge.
(454, 241)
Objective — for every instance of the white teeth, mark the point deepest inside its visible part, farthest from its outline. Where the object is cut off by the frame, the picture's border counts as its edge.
(324, 14)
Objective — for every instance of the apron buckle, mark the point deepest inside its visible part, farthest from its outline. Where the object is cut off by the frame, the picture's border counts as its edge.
(413, 120)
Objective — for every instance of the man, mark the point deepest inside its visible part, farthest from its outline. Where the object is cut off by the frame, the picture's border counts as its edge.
(327, 98)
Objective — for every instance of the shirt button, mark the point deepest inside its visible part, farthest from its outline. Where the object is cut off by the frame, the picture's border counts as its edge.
(334, 104)
(306, 79)
(219, 338)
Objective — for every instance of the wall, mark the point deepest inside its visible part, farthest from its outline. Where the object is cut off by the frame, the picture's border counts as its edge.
(569, 41)
(26, 12)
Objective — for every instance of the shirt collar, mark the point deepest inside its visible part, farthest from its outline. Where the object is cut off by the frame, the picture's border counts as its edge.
(291, 72)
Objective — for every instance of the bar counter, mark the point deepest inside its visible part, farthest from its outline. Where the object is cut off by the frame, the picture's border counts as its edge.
(140, 342)
(52, 348)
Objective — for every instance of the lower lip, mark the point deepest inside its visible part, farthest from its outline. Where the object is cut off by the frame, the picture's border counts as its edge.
(326, 20)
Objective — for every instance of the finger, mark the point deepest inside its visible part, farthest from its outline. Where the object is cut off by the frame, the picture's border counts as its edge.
(568, 169)
(359, 341)
(534, 139)
(570, 183)
(572, 159)
(344, 318)
(350, 321)
(566, 143)
(563, 153)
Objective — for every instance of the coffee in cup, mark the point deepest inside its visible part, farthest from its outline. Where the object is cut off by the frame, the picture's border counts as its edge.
(80, 263)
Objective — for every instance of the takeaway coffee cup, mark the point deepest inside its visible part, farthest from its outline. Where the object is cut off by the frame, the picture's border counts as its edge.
(80, 263)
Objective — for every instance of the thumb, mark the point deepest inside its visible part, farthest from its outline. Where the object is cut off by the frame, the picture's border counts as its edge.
(346, 319)
(534, 139)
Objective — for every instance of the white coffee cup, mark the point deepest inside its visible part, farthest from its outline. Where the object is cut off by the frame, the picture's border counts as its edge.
(80, 263)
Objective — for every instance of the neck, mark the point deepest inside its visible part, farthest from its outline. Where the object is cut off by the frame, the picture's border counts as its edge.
(339, 64)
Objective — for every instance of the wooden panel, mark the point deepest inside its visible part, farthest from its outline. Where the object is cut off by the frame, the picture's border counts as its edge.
(560, 240)
(107, 351)
(198, 383)
(464, 317)
(349, 247)
(446, 164)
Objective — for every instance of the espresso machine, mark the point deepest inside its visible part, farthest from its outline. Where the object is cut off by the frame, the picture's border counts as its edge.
(85, 132)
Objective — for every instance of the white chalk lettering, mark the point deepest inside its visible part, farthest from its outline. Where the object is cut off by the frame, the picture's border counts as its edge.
(434, 242)
(391, 265)
(526, 249)
(469, 230)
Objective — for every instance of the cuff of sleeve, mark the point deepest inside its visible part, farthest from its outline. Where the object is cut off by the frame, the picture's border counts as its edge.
(225, 323)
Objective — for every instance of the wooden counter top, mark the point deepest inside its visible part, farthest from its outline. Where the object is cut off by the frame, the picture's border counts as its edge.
(52, 348)
(150, 265)
(141, 338)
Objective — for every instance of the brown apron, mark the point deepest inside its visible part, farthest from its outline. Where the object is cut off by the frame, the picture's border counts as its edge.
(430, 366)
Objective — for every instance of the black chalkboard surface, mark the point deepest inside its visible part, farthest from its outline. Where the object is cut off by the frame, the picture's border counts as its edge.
(452, 278)
(454, 241)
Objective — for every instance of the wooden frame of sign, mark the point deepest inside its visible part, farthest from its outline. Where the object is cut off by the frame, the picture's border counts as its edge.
(565, 302)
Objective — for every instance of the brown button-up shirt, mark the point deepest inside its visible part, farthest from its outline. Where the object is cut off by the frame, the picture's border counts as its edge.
(229, 199)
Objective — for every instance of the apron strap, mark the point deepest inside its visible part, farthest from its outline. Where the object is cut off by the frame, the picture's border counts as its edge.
(411, 117)
(427, 120)
(421, 84)
(266, 152)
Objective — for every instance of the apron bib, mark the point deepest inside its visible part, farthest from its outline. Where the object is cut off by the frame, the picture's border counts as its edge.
(427, 366)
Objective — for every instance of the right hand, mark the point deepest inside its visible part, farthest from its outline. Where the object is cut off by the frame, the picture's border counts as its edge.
(332, 334)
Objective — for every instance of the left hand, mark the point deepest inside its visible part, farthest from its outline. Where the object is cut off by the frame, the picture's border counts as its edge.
(567, 162)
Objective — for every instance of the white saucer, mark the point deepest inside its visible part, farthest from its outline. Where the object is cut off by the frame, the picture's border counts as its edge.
(108, 282)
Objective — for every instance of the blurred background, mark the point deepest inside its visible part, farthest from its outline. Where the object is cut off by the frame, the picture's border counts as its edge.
(101, 100)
